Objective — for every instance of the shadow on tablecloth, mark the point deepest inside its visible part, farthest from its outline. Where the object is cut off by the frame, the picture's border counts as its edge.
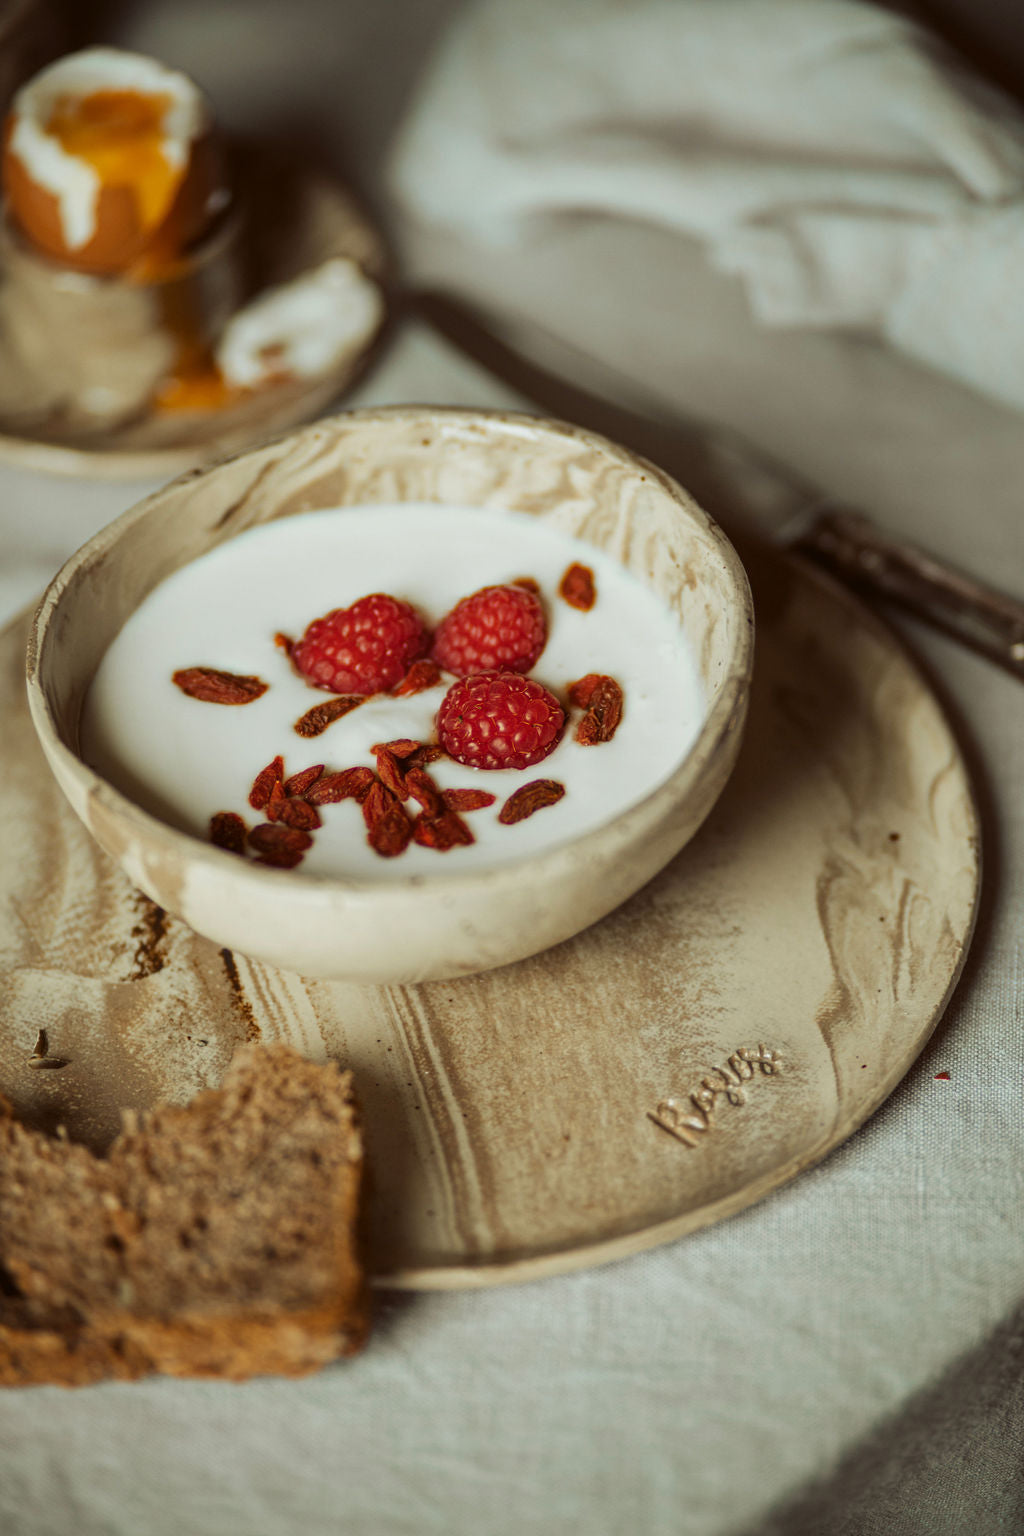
(950, 1462)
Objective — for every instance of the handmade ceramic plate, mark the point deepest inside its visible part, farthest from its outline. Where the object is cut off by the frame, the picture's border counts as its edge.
(727, 1027)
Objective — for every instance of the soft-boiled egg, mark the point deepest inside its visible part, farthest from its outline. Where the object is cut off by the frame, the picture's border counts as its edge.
(111, 163)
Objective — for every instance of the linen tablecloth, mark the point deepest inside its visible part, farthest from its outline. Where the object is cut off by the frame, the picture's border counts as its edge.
(851, 1348)
(845, 1357)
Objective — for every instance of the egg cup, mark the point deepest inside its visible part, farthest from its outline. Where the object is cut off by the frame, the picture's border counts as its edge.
(297, 218)
(165, 297)
(94, 348)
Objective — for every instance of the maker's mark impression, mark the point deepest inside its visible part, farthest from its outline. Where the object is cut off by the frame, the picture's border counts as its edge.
(691, 1118)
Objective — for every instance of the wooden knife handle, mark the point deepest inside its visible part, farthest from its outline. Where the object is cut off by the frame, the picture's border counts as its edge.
(854, 548)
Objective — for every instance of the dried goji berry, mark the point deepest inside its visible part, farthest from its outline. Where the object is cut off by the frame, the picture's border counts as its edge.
(316, 720)
(300, 782)
(604, 703)
(422, 788)
(281, 858)
(582, 691)
(402, 748)
(227, 831)
(426, 752)
(388, 828)
(214, 687)
(349, 784)
(276, 802)
(420, 676)
(529, 798)
(264, 782)
(392, 834)
(299, 813)
(269, 835)
(389, 771)
(467, 799)
(577, 588)
(280, 846)
(442, 831)
(376, 802)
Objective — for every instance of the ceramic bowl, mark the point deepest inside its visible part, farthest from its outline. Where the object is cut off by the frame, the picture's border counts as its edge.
(461, 922)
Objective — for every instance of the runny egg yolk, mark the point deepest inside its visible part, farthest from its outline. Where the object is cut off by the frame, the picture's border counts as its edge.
(194, 384)
(121, 135)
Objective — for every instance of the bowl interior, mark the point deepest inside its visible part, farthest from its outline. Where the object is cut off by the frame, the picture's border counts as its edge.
(576, 481)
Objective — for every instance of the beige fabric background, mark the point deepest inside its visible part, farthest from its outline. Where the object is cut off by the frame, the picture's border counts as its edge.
(845, 1358)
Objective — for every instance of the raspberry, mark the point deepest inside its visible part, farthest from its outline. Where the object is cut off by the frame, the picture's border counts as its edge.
(363, 649)
(499, 720)
(497, 628)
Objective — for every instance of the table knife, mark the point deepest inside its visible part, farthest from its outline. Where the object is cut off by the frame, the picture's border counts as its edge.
(754, 496)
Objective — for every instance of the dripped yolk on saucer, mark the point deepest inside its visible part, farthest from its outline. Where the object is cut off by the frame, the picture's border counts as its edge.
(194, 384)
(121, 135)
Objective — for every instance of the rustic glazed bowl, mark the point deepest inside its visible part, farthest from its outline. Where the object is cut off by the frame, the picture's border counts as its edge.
(461, 922)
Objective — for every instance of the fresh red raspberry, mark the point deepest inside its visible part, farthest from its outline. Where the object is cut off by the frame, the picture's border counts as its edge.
(367, 648)
(499, 720)
(497, 628)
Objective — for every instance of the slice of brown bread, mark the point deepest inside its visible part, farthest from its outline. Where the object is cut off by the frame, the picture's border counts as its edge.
(215, 1239)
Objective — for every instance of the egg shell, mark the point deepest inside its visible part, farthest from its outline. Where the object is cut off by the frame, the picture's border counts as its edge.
(120, 243)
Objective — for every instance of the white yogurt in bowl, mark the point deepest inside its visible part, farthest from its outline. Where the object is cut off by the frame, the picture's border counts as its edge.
(429, 504)
(184, 759)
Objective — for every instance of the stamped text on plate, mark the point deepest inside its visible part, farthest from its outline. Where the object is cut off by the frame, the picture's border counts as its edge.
(690, 1118)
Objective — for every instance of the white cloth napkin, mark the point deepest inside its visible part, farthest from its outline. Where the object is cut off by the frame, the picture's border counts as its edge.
(823, 151)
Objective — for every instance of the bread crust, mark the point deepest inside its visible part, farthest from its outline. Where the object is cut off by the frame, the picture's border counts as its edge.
(45, 1337)
(229, 1348)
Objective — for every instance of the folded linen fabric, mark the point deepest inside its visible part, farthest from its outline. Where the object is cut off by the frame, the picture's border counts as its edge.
(826, 152)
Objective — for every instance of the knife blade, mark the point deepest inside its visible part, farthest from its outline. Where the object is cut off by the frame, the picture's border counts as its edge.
(756, 498)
